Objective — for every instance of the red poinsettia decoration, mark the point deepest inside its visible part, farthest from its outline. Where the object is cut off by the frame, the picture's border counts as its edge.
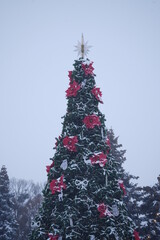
(69, 143)
(122, 186)
(70, 75)
(91, 121)
(51, 237)
(73, 89)
(103, 209)
(97, 93)
(99, 158)
(57, 185)
(49, 167)
(88, 69)
(136, 235)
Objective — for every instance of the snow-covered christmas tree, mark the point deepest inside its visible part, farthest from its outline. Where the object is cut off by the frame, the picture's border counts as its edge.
(150, 212)
(83, 197)
(133, 195)
(8, 223)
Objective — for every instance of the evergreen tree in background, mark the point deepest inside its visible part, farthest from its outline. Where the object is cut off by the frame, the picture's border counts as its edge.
(83, 197)
(150, 212)
(133, 198)
(133, 192)
(8, 224)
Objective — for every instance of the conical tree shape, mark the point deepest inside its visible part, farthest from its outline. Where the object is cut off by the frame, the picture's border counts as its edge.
(83, 198)
(8, 223)
(150, 212)
(133, 196)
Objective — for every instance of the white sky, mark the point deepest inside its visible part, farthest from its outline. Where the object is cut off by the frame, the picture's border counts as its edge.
(37, 39)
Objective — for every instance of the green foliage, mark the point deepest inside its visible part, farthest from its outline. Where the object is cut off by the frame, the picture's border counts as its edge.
(72, 212)
(133, 196)
(150, 212)
(8, 224)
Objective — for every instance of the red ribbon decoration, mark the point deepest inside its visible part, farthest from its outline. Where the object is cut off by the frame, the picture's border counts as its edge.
(73, 89)
(136, 235)
(69, 143)
(88, 69)
(49, 167)
(99, 158)
(57, 185)
(103, 209)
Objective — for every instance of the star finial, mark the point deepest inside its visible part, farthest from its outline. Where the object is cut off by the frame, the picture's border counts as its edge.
(82, 48)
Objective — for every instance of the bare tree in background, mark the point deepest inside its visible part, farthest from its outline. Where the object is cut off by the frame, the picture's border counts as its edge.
(27, 200)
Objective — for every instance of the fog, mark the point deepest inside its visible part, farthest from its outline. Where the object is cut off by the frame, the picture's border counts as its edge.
(37, 51)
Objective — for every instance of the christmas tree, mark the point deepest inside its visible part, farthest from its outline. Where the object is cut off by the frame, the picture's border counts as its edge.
(83, 197)
(8, 223)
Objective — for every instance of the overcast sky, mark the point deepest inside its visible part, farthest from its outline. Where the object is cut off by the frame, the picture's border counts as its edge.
(37, 39)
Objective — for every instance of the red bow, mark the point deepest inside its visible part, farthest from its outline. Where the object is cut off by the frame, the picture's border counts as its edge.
(57, 185)
(103, 209)
(49, 167)
(73, 89)
(136, 235)
(88, 69)
(69, 143)
(100, 158)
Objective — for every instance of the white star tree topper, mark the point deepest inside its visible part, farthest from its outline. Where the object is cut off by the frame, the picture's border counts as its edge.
(82, 48)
